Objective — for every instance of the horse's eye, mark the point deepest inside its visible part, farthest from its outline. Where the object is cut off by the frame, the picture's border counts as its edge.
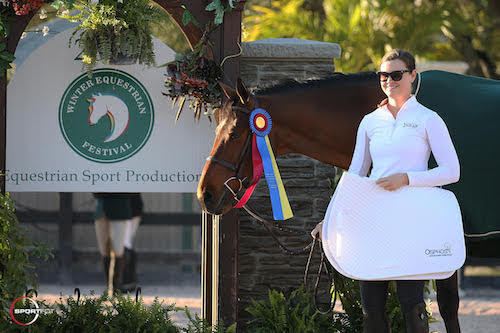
(234, 136)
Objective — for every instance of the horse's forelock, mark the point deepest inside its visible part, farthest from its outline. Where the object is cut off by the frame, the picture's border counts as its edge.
(227, 111)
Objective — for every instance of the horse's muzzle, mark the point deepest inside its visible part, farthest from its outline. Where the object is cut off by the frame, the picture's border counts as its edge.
(207, 199)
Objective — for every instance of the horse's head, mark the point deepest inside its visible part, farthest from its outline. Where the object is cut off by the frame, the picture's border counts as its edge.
(229, 166)
(97, 109)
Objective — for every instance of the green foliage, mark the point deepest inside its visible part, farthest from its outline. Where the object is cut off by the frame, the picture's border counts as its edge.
(472, 28)
(110, 314)
(219, 9)
(16, 250)
(6, 58)
(187, 17)
(394, 312)
(131, 316)
(113, 29)
(85, 315)
(63, 3)
(295, 313)
(100, 314)
(348, 290)
(199, 325)
(365, 30)
(467, 30)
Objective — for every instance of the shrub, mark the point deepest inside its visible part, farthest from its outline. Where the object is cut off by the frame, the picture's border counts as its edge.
(16, 249)
(294, 313)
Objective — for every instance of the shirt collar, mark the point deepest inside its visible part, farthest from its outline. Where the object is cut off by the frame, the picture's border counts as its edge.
(409, 104)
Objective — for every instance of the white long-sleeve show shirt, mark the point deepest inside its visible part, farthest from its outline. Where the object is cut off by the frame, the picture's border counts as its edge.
(403, 145)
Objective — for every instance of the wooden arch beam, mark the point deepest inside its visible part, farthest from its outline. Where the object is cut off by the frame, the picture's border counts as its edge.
(16, 29)
(174, 9)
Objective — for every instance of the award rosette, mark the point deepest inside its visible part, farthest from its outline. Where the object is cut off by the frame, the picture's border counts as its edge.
(263, 160)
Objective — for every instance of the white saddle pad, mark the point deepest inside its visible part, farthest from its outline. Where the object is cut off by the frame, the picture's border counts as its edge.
(412, 233)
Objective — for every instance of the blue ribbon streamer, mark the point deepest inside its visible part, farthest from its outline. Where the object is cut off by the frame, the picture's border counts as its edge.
(270, 178)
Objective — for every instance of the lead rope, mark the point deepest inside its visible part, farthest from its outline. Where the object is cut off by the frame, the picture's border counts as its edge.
(311, 246)
(331, 279)
(418, 84)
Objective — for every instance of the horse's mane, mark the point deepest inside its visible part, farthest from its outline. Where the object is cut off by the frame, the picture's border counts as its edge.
(336, 78)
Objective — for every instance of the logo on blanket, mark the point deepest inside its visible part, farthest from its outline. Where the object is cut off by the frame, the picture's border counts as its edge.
(443, 252)
(106, 118)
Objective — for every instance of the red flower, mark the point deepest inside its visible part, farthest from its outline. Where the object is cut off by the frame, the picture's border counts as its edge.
(23, 7)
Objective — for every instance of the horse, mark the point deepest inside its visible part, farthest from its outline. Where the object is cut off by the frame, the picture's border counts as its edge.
(101, 105)
(316, 118)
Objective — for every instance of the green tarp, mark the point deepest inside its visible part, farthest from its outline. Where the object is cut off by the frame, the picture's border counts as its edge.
(470, 107)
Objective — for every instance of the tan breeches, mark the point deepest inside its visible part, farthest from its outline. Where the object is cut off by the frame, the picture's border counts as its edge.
(110, 236)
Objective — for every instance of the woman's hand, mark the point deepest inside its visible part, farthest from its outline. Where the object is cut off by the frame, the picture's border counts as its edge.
(316, 232)
(394, 182)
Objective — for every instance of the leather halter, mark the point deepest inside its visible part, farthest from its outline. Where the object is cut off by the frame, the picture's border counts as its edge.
(241, 160)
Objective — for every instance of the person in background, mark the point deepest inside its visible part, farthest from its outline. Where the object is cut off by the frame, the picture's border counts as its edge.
(112, 215)
(130, 256)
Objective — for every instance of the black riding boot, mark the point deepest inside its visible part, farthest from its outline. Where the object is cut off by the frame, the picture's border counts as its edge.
(118, 274)
(129, 274)
(416, 319)
(448, 301)
(376, 322)
(105, 265)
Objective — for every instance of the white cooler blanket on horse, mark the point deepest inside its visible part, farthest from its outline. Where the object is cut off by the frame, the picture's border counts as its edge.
(412, 233)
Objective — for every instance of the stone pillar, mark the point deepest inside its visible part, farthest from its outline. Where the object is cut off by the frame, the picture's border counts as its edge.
(266, 61)
(262, 264)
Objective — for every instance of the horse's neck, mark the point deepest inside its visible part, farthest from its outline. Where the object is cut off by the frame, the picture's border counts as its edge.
(319, 124)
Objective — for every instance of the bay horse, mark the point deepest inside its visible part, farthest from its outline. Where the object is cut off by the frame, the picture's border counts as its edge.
(316, 118)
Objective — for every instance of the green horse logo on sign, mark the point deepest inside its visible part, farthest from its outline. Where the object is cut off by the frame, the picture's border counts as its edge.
(106, 118)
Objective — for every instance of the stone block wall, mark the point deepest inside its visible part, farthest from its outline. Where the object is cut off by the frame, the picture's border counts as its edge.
(262, 264)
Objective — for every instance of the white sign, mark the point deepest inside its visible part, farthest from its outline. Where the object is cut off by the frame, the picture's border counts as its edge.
(112, 132)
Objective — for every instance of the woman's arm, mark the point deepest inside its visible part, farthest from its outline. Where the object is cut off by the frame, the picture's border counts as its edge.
(361, 159)
(448, 169)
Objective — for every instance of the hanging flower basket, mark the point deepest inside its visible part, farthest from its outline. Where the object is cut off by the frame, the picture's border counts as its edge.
(194, 77)
(113, 31)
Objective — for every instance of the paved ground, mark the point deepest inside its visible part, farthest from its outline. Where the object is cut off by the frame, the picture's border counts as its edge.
(479, 308)
(479, 312)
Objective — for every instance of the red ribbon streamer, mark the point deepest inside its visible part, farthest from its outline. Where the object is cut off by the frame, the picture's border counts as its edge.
(258, 168)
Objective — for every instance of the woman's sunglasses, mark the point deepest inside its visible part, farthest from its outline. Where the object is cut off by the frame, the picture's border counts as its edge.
(395, 76)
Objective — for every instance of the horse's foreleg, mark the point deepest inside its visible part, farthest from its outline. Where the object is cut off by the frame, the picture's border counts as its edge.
(448, 302)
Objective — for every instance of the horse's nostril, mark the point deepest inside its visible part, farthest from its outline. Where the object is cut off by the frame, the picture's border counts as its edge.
(207, 198)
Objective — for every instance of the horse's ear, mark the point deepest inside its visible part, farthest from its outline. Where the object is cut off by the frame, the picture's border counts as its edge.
(242, 91)
(228, 91)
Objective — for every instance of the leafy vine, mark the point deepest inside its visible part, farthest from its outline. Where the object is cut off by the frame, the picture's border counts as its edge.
(194, 75)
